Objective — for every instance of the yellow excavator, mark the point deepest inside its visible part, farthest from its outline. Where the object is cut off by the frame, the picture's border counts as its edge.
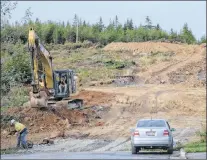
(49, 86)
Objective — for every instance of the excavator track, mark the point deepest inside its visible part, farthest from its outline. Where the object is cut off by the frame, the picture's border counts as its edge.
(41, 101)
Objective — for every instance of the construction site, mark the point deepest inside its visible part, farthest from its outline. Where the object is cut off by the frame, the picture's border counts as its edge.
(119, 84)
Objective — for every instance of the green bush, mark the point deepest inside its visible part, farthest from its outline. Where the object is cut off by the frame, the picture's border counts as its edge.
(15, 67)
(113, 64)
(195, 147)
(17, 96)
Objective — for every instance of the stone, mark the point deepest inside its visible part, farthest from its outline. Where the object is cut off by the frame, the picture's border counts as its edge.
(47, 141)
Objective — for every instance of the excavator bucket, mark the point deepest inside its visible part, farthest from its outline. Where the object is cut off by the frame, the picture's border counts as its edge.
(38, 100)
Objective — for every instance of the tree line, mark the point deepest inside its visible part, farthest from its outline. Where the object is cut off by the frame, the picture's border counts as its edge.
(60, 33)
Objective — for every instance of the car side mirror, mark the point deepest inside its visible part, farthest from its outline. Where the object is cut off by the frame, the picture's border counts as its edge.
(172, 129)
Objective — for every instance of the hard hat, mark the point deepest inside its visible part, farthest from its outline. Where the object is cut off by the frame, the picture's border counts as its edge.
(12, 121)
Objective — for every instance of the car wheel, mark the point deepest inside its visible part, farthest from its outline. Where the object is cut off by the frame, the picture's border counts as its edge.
(138, 149)
(134, 150)
(170, 149)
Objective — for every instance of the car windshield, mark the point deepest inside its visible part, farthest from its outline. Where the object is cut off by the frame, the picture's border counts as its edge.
(151, 123)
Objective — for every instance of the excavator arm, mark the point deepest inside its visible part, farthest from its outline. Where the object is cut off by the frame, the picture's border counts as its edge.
(41, 69)
(41, 63)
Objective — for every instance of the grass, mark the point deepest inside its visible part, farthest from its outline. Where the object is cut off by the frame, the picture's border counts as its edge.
(114, 64)
(68, 46)
(17, 96)
(94, 74)
(198, 146)
(155, 58)
(93, 64)
(195, 147)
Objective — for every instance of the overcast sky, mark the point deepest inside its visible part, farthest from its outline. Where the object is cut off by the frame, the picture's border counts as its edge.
(168, 14)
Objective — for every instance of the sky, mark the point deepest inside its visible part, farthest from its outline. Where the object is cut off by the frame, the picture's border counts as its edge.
(169, 14)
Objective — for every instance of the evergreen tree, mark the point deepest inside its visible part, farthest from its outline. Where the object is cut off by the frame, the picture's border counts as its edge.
(148, 22)
(203, 39)
(158, 27)
(187, 35)
(75, 20)
(116, 22)
(100, 25)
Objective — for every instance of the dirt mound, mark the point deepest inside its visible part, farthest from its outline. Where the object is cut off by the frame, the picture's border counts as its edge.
(55, 118)
(191, 71)
(47, 120)
(193, 74)
(55, 122)
(150, 47)
(93, 98)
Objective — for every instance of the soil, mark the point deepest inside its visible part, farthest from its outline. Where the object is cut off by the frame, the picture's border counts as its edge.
(173, 90)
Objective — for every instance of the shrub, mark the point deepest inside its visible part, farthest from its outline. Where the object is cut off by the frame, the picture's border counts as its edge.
(17, 96)
(15, 68)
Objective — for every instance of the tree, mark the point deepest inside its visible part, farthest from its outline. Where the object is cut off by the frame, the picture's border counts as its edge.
(158, 27)
(6, 8)
(63, 24)
(49, 31)
(111, 25)
(68, 23)
(128, 25)
(27, 16)
(84, 23)
(100, 25)
(38, 28)
(75, 20)
(203, 39)
(148, 22)
(187, 35)
(173, 35)
(116, 22)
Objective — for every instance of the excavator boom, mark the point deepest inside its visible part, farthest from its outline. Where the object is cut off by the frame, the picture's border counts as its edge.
(41, 61)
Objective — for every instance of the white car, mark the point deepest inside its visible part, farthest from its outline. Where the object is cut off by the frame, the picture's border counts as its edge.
(152, 134)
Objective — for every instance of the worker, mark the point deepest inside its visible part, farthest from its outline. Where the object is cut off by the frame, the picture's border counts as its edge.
(63, 85)
(22, 132)
(41, 80)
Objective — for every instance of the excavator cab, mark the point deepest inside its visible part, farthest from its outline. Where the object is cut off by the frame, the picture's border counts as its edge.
(64, 83)
(64, 86)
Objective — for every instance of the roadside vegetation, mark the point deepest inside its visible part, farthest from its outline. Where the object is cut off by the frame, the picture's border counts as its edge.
(200, 145)
(195, 147)
(9, 151)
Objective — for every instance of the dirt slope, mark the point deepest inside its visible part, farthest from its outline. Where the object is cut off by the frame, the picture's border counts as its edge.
(188, 61)
(148, 47)
(43, 123)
